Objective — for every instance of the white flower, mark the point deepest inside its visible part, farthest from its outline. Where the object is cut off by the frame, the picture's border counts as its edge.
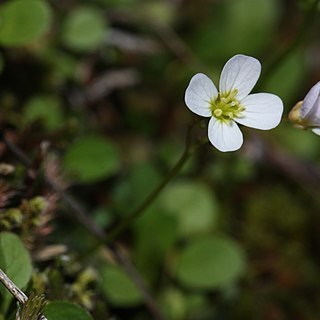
(233, 104)
(306, 113)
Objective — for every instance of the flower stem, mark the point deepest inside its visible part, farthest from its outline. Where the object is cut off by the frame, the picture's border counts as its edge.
(306, 24)
(124, 224)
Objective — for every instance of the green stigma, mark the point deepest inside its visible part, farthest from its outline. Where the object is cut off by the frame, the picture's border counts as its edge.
(225, 106)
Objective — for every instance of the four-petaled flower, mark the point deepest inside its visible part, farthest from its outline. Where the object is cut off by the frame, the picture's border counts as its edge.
(306, 113)
(233, 104)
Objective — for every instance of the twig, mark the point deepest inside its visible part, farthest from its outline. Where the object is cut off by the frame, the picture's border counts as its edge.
(15, 291)
(109, 81)
(132, 42)
(136, 278)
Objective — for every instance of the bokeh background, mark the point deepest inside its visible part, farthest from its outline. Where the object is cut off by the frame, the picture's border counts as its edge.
(93, 92)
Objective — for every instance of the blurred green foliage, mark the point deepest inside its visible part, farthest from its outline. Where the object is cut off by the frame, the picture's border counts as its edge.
(36, 109)
(118, 287)
(23, 21)
(92, 91)
(79, 159)
(192, 204)
(211, 262)
(84, 29)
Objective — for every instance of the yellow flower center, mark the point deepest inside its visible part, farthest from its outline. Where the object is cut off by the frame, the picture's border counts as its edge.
(226, 107)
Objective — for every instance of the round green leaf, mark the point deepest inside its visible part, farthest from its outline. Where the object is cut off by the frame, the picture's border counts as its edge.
(23, 21)
(91, 158)
(84, 29)
(14, 261)
(44, 108)
(176, 303)
(150, 245)
(118, 287)
(63, 310)
(193, 205)
(210, 263)
(147, 236)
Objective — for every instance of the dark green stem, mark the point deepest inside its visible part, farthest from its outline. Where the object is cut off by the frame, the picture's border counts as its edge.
(306, 24)
(124, 224)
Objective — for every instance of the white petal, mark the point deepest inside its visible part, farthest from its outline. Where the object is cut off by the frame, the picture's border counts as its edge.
(313, 116)
(199, 93)
(316, 131)
(224, 136)
(240, 72)
(310, 108)
(263, 111)
(310, 100)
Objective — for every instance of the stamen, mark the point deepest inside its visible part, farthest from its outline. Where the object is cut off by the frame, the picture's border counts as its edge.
(217, 112)
(225, 106)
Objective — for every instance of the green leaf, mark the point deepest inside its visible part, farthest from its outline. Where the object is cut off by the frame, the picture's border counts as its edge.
(174, 304)
(147, 235)
(151, 245)
(91, 158)
(210, 263)
(63, 310)
(63, 65)
(84, 29)
(193, 205)
(178, 304)
(44, 108)
(118, 287)
(23, 21)
(15, 262)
